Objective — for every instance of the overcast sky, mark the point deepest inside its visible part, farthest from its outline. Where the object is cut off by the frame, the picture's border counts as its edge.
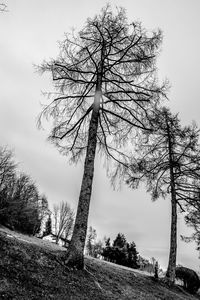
(29, 33)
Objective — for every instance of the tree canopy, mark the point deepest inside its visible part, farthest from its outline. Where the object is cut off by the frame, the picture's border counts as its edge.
(169, 146)
(118, 56)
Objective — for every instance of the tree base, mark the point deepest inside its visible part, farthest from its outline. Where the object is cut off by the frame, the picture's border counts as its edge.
(74, 261)
(166, 280)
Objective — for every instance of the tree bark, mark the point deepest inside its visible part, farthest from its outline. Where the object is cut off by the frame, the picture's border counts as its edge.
(170, 275)
(173, 242)
(75, 255)
(57, 238)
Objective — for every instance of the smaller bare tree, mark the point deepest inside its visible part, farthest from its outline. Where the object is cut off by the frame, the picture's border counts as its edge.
(169, 162)
(91, 238)
(63, 220)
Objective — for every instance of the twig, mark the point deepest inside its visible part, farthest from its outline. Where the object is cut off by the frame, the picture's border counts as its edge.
(95, 281)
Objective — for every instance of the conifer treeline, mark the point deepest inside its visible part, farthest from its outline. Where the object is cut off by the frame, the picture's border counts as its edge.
(121, 252)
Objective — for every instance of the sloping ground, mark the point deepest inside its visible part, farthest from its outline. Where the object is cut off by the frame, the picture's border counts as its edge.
(32, 269)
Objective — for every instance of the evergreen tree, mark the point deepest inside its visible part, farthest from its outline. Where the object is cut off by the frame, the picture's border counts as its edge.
(121, 252)
(106, 251)
(120, 241)
(132, 259)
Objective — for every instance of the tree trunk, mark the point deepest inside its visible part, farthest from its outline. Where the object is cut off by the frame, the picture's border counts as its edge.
(170, 275)
(75, 255)
(173, 242)
(57, 239)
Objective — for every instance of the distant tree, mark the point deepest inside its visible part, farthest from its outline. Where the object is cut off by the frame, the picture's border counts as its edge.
(120, 241)
(63, 218)
(153, 261)
(119, 249)
(107, 250)
(55, 216)
(168, 161)
(68, 228)
(43, 211)
(93, 248)
(107, 242)
(132, 256)
(105, 81)
(20, 205)
(192, 219)
(151, 266)
(6, 195)
(7, 176)
(142, 262)
(121, 252)
(23, 207)
(98, 249)
(48, 226)
(91, 237)
(156, 269)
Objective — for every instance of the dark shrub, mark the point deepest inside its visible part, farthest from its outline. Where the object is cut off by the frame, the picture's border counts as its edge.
(190, 279)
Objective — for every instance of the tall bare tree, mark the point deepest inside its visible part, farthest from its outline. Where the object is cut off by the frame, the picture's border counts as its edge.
(169, 162)
(105, 81)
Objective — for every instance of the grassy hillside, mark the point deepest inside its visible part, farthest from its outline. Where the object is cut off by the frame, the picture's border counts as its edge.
(32, 269)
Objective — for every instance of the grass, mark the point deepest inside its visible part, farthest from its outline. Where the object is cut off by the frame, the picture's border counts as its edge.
(31, 268)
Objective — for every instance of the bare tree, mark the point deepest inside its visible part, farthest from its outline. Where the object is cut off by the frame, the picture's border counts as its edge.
(21, 206)
(91, 238)
(7, 166)
(7, 176)
(63, 219)
(43, 213)
(169, 162)
(55, 218)
(105, 81)
(68, 227)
